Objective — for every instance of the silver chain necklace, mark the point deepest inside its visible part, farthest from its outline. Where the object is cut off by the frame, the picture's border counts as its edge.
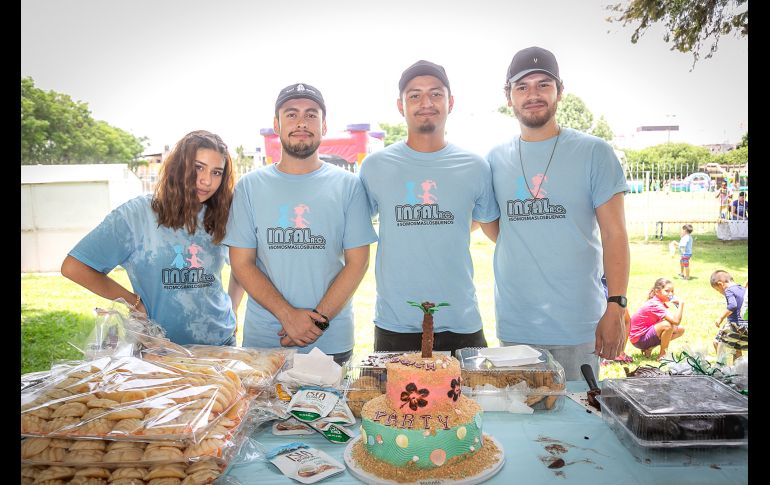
(546, 167)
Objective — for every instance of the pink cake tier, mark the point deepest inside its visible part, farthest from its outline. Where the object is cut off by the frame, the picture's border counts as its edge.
(422, 384)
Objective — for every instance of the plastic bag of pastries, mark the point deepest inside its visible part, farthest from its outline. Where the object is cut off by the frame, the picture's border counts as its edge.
(113, 396)
(255, 367)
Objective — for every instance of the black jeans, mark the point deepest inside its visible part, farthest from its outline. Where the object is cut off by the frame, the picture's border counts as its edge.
(342, 357)
(387, 341)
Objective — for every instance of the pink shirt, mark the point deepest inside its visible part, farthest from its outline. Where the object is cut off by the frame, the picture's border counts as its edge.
(650, 313)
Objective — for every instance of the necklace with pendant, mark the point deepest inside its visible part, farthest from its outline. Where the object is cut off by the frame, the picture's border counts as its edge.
(546, 167)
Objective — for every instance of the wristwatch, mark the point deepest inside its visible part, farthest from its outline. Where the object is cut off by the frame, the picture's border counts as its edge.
(620, 300)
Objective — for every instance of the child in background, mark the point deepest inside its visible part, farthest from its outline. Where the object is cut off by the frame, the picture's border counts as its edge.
(733, 335)
(685, 252)
(725, 195)
(656, 322)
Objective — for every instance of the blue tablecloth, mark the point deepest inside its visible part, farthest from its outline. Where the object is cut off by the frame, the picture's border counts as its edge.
(593, 453)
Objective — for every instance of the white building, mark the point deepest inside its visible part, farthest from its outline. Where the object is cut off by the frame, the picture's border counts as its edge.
(62, 203)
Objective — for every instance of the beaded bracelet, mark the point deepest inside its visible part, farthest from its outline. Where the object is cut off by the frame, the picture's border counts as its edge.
(322, 325)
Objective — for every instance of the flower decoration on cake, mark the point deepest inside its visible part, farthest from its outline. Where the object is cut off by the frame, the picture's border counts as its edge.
(428, 309)
(455, 392)
(413, 397)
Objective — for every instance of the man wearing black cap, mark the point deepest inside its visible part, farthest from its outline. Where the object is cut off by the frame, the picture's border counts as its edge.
(427, 192)
(562, 225)
(291, 226)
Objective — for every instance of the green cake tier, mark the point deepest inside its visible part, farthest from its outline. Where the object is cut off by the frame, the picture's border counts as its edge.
(422, 440)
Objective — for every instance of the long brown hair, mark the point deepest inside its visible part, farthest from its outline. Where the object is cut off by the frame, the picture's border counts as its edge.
(175, 199)
(660, 283)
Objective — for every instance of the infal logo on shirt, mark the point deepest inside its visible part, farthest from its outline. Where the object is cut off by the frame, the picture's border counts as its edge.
(293, 230)
(186, 272)
(531, 203)
(421, 206)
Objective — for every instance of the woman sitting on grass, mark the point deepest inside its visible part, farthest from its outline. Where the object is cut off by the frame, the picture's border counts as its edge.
(657, 323)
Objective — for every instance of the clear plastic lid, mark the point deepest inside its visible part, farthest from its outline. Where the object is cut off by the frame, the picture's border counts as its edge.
(678, 395)
(478, 369)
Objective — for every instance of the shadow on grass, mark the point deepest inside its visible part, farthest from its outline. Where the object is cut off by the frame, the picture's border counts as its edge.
(707, 248)
(45, 337)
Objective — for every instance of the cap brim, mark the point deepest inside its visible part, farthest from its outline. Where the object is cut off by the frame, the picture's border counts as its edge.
(521, 74)
(301, 96)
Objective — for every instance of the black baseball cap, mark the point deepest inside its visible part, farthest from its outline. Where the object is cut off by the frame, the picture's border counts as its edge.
(532, 59)
(299, 91)
(423, 68)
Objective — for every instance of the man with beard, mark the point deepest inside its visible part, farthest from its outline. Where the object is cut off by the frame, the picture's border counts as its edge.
(299, 234)
(560, 192)
(427, 192)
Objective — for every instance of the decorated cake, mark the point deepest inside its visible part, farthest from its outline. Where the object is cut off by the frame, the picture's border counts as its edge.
(423, 418)
(423, 427)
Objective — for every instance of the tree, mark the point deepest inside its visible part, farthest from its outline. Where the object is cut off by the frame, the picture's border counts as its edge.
(602, 129)
(242, 163)
(739, 156)
(506, 110)
(56, 129)
(689, 23)
(394, 133)
(668, 159)
(573, 113)
(744, 141)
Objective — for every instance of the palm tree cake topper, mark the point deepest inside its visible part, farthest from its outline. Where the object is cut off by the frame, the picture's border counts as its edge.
(428, 309)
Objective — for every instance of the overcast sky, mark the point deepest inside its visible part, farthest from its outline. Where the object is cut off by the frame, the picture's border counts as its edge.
(162, 68)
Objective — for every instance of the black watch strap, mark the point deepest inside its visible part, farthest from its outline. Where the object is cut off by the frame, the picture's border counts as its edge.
(620, 300)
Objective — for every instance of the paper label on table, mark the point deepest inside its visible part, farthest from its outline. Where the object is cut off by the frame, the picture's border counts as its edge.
(307, 465)
(312, 403)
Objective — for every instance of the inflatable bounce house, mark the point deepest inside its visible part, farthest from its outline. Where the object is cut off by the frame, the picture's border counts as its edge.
(346, 150)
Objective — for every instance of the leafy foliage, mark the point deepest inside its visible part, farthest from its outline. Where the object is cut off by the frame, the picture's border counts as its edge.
(668, 156)
(739, 156)
(57, 130)
(394, 133)
(573, 113)
(689, 23)
(602, 129)
(242, 162)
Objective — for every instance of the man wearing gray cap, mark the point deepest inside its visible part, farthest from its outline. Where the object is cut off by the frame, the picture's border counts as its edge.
(562, 225)
(299, 234)
(427, 192)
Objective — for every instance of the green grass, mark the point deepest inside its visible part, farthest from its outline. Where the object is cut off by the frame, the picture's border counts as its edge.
(55, 311)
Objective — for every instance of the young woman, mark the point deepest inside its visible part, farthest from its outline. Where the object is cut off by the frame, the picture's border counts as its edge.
(658, 320)
(169, 245)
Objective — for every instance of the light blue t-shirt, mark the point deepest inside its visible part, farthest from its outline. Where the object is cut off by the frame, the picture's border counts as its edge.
(426, 202)
(178, 275)
(300, 225)
(685, 245)
(548, 257)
